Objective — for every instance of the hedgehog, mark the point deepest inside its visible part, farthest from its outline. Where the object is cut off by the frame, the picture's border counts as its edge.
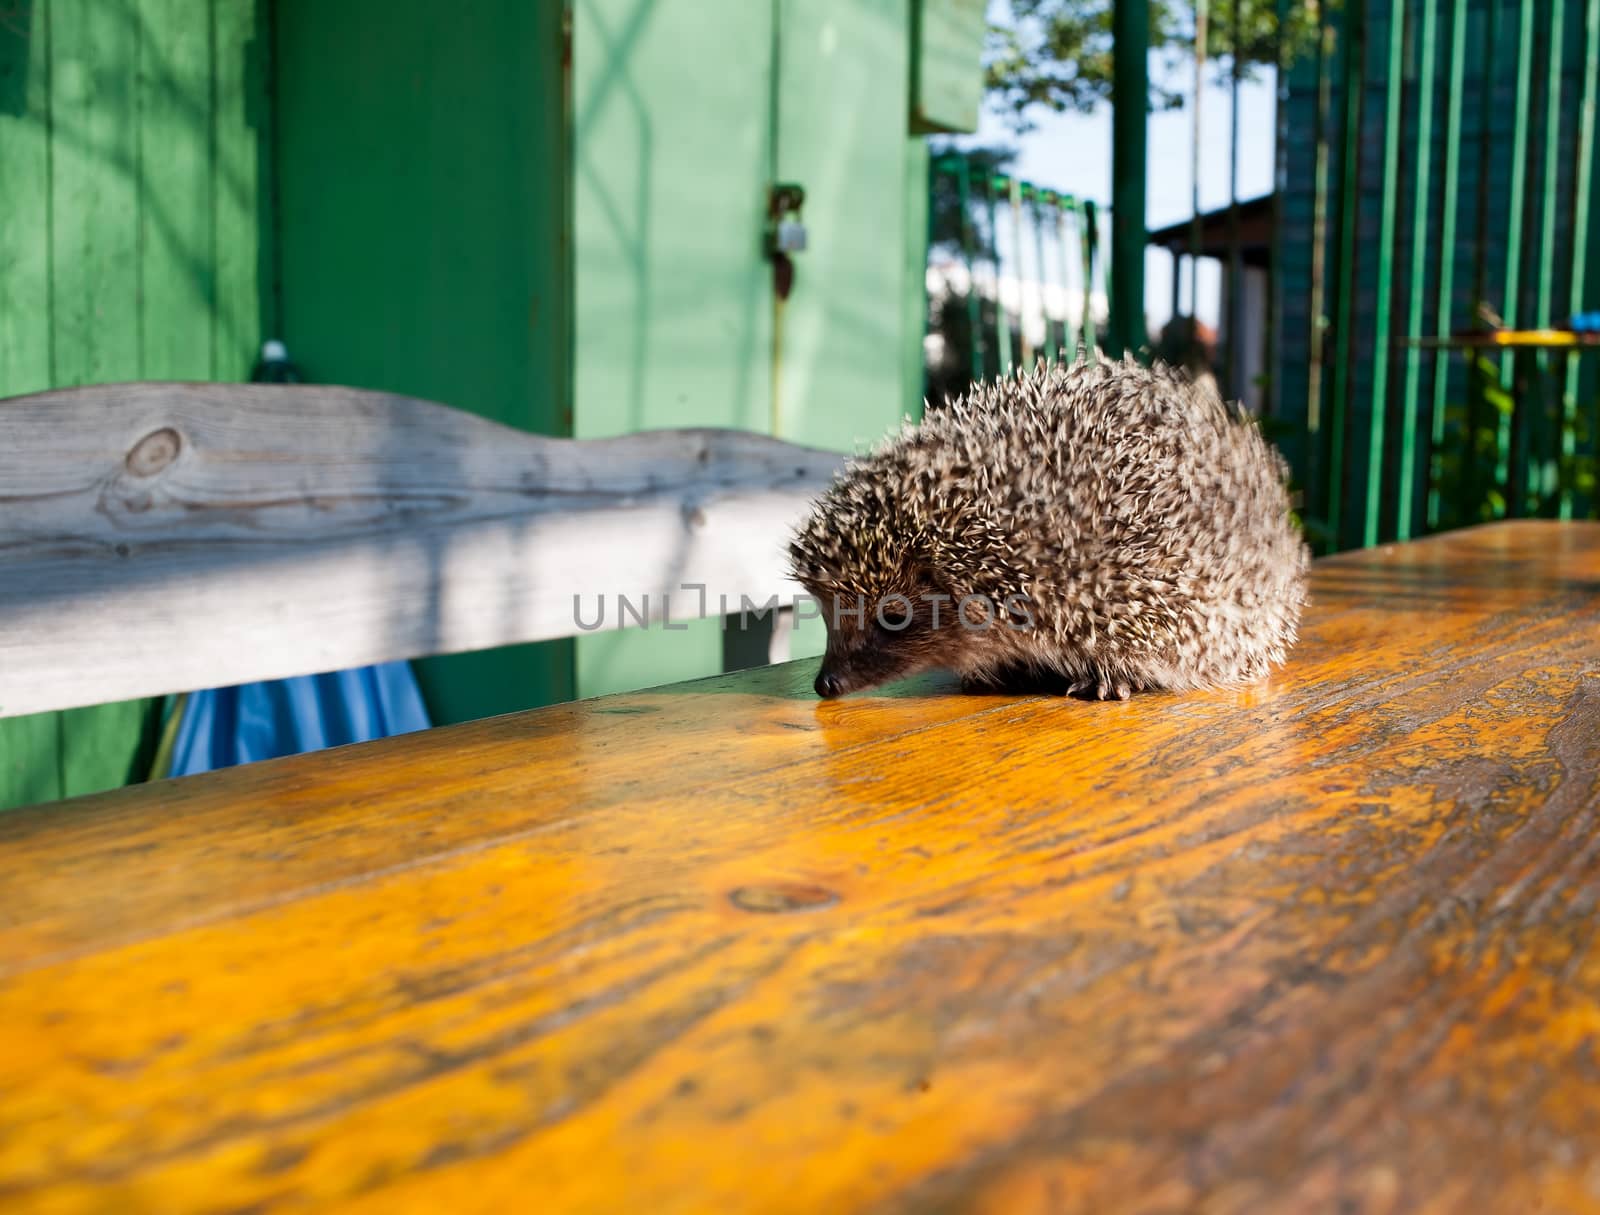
(1098, 529)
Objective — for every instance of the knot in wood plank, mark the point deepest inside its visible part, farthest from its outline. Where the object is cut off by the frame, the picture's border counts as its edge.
(782, 898)
(154, 452)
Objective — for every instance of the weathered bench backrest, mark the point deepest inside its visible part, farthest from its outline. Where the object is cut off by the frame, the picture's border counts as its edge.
(158, 538)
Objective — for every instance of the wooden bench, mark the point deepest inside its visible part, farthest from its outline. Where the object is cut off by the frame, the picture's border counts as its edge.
(1327, 943)
(159, 538)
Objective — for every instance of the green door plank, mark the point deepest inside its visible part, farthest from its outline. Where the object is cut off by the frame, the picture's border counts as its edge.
(30, 747)
(25, 188)
(97, 195)
(673, 299)
(175, 270)
(421, 235)
(95, 182)
(241, 222)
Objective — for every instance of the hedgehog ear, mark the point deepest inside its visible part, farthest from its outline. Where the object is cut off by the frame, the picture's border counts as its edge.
(929, 581)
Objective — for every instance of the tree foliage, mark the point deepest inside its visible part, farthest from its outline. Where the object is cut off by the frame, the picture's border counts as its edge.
(1056, 54)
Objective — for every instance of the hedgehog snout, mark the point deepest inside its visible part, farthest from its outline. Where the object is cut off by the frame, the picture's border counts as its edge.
(854, 663)
(839, 676)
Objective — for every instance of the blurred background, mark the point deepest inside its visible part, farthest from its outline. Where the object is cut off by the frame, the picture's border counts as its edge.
(1368, 220)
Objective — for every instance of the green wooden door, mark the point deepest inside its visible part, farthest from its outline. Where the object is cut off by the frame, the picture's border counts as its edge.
(672, 147)
(843, 117)
(423, 229)
(686, 111)
(131, 247)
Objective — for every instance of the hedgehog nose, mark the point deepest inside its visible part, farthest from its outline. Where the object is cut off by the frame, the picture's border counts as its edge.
(829, 685)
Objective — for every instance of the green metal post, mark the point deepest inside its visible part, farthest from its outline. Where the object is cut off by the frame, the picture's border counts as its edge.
(1091, 243)
(1419, 264)
(1472, 489)
(1316, 353)
(1272, 404)
(1382, 347)
(1448, 206)
(1580, 235)
(1130, 100)
(1552, 148)
(1016, 246)
(1002, 327)
(969, 241)
(1539, 455)
(1108, 221)
(919, 234)
(1041, 199)
(1202, 14)
(1527, 385)
(1353, 51)
(1066, 206)
(1235, 380)
(1177, 285)
(1517, 184)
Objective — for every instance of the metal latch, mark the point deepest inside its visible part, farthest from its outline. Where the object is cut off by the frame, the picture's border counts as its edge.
(786, 233)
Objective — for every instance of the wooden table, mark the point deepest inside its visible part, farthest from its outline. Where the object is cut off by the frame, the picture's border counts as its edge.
(1326, 943)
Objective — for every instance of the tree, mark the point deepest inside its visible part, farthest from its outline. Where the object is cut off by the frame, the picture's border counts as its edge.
(1056, 54)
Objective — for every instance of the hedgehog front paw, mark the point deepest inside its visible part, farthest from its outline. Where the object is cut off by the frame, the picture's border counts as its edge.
(1098, 685)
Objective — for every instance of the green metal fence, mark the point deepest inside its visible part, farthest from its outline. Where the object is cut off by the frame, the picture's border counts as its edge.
(1050, 246)
(1440, 197)
(1433, 259)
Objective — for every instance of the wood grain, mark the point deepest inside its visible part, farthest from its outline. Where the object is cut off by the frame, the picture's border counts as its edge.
(163, 537)
(1327, 943)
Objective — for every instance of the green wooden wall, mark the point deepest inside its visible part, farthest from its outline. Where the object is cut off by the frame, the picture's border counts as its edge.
(130, 248)
(423, 236)
(684, 112)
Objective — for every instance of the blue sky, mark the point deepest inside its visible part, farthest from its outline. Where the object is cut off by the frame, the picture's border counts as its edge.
(1072, 153)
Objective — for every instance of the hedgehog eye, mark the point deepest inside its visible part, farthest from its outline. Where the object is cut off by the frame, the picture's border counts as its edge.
(894, 613)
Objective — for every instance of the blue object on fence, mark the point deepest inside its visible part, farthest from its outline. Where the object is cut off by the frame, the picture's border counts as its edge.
(226, 726)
